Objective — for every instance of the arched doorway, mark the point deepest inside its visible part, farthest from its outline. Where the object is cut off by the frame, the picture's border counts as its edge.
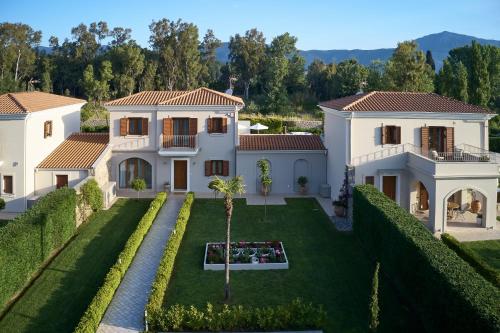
(133, 168)
(300, 168)
(420, 203)
(465, 208)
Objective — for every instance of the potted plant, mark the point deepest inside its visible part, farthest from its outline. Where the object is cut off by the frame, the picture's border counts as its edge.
(302, 181)
(475, 205)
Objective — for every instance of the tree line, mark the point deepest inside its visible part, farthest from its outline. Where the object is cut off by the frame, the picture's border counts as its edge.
(100, 63)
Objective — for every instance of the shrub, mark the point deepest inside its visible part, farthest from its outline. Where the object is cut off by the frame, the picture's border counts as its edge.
(2, 203)
(374, 307)
(92, 195)
(99, 304)
(296, 315)
(139, 185)
(448, 294)
(32, 237)
(164, 273)
(275, 124)
(482, 267)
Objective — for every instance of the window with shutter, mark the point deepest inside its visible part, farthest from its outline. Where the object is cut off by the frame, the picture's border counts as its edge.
(123, 126)
(216, 168)
(370, 180)
(225, 168)
(8, 186)
(145, 126)
(193, 126)
(216, 125)
(208, 168)
(47, 129)
(450, 139)
(135, 126)
(424, 139)
(391, 135)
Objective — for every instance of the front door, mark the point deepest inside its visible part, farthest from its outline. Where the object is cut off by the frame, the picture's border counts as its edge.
(389, 186)
(180, 175)
(61, 181)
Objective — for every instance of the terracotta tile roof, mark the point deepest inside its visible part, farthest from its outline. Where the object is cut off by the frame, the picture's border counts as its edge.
(200, 96)
(78, 151)
(280, 142)
(24, 102)
(395, 101)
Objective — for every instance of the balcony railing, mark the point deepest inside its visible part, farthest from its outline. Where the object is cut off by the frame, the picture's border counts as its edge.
(460, 153)
(179, 141)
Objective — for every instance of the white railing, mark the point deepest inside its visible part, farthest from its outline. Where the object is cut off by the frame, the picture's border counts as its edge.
(179, 141)
(460, 153)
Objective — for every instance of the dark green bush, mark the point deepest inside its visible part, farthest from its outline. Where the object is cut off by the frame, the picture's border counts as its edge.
(275, 124)
(448, 294)
(2, 203)
(154, 306)
(495, 144)
(296, 315)
(92, 195)
(96, 309)
(27, 241)
(482, 267)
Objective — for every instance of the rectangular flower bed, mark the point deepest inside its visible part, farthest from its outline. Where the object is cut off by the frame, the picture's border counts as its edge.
(246, 256)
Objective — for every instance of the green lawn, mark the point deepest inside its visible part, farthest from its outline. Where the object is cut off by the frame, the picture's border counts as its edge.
(326, 267)
(488, 250)
(58, 298)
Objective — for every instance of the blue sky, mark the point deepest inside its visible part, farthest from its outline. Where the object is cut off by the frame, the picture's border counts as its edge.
(318, 24)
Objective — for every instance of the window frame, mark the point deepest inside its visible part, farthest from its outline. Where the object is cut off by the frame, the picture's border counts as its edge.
(214, 167)
(392, 138)
(370, 177)
(217, 129)
(2, 185)
(138, 130)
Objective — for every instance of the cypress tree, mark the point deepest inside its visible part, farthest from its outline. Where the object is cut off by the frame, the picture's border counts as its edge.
(429, 60)
(374, 306)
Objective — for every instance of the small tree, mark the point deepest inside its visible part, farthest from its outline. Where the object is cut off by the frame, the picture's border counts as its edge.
(229, 188)
(374, 306)
(212, 185)
(138, 185)
(265, 180)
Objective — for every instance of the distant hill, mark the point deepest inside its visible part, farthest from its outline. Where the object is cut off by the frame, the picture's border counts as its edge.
(439, 44)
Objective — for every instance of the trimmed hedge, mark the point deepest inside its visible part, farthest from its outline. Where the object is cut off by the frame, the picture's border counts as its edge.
(296, 315)
(154, 306)
(96, 309)
(275, 124)
(31, 238)
(482, 267)
(449, 295)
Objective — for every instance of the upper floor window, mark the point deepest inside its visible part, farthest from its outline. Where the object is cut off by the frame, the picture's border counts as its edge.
(217, 125)
(133, 126)
(216, 168)
(370, 180)
(47, 129)
(7, 185)
(391, 135)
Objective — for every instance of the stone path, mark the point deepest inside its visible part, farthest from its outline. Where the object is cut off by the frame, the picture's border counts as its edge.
(126, 311)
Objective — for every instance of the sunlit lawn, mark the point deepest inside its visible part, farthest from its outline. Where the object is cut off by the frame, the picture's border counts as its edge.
(488, 250)
(326, 267)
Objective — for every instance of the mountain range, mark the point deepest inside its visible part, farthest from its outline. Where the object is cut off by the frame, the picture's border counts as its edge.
(439, 44)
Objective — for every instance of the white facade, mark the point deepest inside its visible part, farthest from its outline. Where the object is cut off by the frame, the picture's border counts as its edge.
(354, 139)
(23, 147)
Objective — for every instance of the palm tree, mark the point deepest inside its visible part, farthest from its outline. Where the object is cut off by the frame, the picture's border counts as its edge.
(228, 187)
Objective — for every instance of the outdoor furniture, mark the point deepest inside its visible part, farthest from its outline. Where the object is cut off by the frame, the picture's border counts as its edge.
(452, 209)
(436, 156)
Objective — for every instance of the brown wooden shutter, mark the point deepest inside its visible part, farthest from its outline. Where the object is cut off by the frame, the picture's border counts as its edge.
(225, 168)
(145, 126)
(208, 168)
(383, 135)
(123, 126)
(168, 128)
(424, 139)
(450, 139)
(224, 125)
(209, 125)
(193, 126)
(398, 134)
(45, 130)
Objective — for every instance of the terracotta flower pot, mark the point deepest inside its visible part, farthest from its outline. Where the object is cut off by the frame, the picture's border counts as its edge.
(339, 211)
(303, 190)
(475, 206)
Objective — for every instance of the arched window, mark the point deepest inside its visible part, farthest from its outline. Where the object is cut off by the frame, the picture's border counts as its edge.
(135, 168)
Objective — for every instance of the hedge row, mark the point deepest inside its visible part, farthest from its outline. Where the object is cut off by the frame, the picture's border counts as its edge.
(154, 306)
(31, 238)
(296, 315)
(96, 309)
(467, 254)
(449, 295)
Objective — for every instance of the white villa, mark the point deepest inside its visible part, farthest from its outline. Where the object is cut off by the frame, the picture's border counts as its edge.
(427, 152)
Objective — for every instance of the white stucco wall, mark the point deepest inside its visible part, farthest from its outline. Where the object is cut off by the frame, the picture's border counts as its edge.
(45, 179)
(336, 142)
(284, 169)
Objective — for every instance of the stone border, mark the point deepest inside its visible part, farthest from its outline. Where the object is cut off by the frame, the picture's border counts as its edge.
(246, 266)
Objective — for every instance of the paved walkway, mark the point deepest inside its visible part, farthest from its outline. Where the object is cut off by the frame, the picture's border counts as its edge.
(126, 311)
(469, 234)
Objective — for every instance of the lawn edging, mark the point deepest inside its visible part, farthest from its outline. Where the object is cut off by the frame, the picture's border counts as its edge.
(99, 304)
(467, 254)
(164, 273)
(450, 295)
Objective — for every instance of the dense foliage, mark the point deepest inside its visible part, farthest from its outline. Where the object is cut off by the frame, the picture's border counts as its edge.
(32, 237)
(482, 267)
(374, 302)
(296, 315)
(94, 313)
(449, 295)
(92, 195)
(164, 273)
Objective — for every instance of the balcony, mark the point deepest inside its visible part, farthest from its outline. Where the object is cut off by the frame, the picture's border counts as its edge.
(178, 145)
